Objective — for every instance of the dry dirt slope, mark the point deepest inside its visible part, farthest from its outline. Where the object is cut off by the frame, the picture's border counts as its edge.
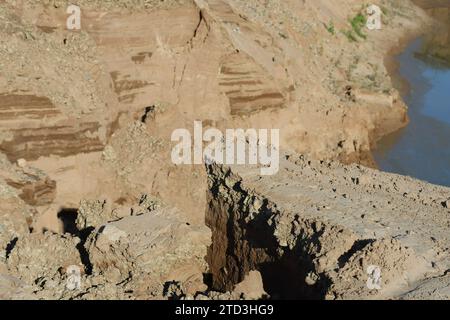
(91, 113)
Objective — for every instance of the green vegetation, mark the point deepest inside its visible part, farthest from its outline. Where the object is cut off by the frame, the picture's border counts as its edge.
(358, 22)
(330, 28)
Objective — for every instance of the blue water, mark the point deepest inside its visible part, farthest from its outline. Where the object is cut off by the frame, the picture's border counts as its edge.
(437, 99)
(422, 149)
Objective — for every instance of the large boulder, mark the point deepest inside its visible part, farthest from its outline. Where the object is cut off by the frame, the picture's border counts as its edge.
(148, 250)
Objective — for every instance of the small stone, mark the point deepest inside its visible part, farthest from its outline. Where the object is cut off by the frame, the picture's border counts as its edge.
(113, 233)
(252, 287)
(311, 279)
(22, 163)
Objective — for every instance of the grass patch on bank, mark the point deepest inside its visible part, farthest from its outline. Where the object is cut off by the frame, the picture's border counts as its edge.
(357, 23)
(330, 28)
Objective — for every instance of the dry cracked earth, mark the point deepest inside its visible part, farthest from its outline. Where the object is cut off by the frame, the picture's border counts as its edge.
(87, 181)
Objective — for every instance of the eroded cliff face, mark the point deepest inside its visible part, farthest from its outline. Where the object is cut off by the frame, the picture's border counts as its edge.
(66, 96)
(85, 124)
(315, 228)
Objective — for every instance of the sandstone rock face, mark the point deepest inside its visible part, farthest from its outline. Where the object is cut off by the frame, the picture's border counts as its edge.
(32, 185)
(15, 219)
(35, 136)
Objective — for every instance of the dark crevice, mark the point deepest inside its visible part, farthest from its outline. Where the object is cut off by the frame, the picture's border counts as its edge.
(10, 246)
(357, 246)
(68, 217)
(241, 245)
(173, 290)
(149, 112)
(84, 255)
(198, 25)
(285, 278)
(208, 279)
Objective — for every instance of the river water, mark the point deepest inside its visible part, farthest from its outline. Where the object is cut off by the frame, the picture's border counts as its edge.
(422, 149)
